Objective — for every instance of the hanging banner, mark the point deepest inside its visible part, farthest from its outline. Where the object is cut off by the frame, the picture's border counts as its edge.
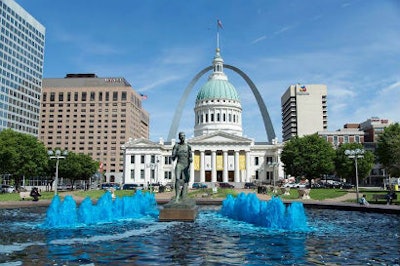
(220, 162)
(196, 162)
(242, 162)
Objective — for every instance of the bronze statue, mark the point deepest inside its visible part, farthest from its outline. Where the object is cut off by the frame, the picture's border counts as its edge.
(182, 152)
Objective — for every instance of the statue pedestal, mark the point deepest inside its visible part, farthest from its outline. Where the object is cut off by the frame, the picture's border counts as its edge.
(184, 211)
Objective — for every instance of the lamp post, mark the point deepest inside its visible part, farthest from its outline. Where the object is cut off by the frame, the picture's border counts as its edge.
(355, 154)
(273, 165)
(57, 155)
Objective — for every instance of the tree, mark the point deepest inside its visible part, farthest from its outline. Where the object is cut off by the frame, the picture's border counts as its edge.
(77, 166)
(345, 166)
(388, 149)
(21, 155)
(309, 156)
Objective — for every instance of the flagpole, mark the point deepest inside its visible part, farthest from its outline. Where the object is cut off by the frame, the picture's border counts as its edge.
(217, 38)
(219, 25)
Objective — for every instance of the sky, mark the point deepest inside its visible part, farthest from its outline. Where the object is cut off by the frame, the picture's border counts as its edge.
(352, 46)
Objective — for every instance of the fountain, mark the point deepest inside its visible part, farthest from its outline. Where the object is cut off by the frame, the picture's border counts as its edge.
(67, 214)
(271, 214)
(126, 231)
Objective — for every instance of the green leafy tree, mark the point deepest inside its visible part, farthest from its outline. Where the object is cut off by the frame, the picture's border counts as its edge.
(345, 166)
(309, 156)
(77, 166)
(388, 149)
(21, 155)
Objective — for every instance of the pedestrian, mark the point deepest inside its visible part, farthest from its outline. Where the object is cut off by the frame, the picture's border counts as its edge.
(363, 201)
(35, 194)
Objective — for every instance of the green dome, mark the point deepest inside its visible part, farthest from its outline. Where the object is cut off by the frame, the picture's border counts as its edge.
(217, 89)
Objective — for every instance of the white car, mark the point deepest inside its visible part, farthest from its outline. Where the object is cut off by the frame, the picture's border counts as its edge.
(294, 185)
(7, 189)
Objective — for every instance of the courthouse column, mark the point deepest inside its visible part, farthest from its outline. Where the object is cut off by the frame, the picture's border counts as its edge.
(225, 172)
(237, 173)
(202, 167)
(213, 166)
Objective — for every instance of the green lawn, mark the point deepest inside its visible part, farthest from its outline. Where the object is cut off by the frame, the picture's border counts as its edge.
(315, 194)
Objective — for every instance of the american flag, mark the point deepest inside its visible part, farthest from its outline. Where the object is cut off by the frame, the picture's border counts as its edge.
(219, 23)
(144, 97)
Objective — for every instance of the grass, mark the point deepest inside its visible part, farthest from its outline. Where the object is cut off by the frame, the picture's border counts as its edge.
(322, 194)
(221, 193)
(315, 194)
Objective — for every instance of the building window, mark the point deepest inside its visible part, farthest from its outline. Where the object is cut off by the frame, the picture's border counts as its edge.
(142, 173)
(92, 96)
(133, 174)
(52, 96)
(256, 160)
(167, 175)
(115, 96)
(142, 159)
(167, 160)
(107, 96)
(132, 159)
(83, 95)
(123, 96)
(76, 96)
(61, 96)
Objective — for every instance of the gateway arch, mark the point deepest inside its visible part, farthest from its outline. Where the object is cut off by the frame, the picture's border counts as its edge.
(269, 130)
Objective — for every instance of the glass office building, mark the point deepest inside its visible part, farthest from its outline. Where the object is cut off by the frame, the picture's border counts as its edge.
(22, 40)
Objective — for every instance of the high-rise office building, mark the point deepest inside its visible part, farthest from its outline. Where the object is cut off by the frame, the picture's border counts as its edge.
(304, 110)
(87, 114)
(21, 68)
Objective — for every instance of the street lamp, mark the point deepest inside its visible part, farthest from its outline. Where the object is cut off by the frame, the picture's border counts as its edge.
(57, 155)
(355, 154)
(273, 165)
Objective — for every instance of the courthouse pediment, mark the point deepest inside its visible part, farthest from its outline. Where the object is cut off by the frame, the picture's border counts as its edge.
(142, 142)
(220, 138)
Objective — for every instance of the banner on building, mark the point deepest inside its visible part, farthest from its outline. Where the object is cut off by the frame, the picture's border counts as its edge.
(196, 162)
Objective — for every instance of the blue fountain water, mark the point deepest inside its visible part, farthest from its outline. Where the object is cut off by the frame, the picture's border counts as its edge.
(27, 235)
(67, 214)
(272, 214)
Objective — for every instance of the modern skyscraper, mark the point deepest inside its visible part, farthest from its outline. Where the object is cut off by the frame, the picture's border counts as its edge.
(21, 68)
(304, 110)
(87, 114)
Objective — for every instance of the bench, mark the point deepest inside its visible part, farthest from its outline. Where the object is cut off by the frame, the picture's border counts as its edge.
(377, 197)
(25, 195)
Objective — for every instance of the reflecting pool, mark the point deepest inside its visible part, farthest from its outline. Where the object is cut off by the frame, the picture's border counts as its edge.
(334, 237)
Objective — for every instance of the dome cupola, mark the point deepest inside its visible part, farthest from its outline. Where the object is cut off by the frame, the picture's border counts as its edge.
(218, 105)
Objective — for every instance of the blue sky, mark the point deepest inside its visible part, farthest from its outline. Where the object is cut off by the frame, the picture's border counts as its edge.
(352, 46)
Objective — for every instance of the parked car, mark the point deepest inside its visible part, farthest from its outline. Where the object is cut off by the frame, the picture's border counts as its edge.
(199, 185)
(295, 185)
(106, 186)
(130, 186)
(250, 186)
(347, 186)
(225, 185)
(7, 189)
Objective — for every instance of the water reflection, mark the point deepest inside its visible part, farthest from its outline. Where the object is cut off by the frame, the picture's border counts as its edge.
(336, 237)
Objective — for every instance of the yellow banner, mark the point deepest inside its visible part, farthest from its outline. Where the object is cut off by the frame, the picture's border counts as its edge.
(242, 162)
(220, 162)
(196, 162)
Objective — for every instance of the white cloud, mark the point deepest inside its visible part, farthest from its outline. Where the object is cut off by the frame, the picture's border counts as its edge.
(259, 39)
